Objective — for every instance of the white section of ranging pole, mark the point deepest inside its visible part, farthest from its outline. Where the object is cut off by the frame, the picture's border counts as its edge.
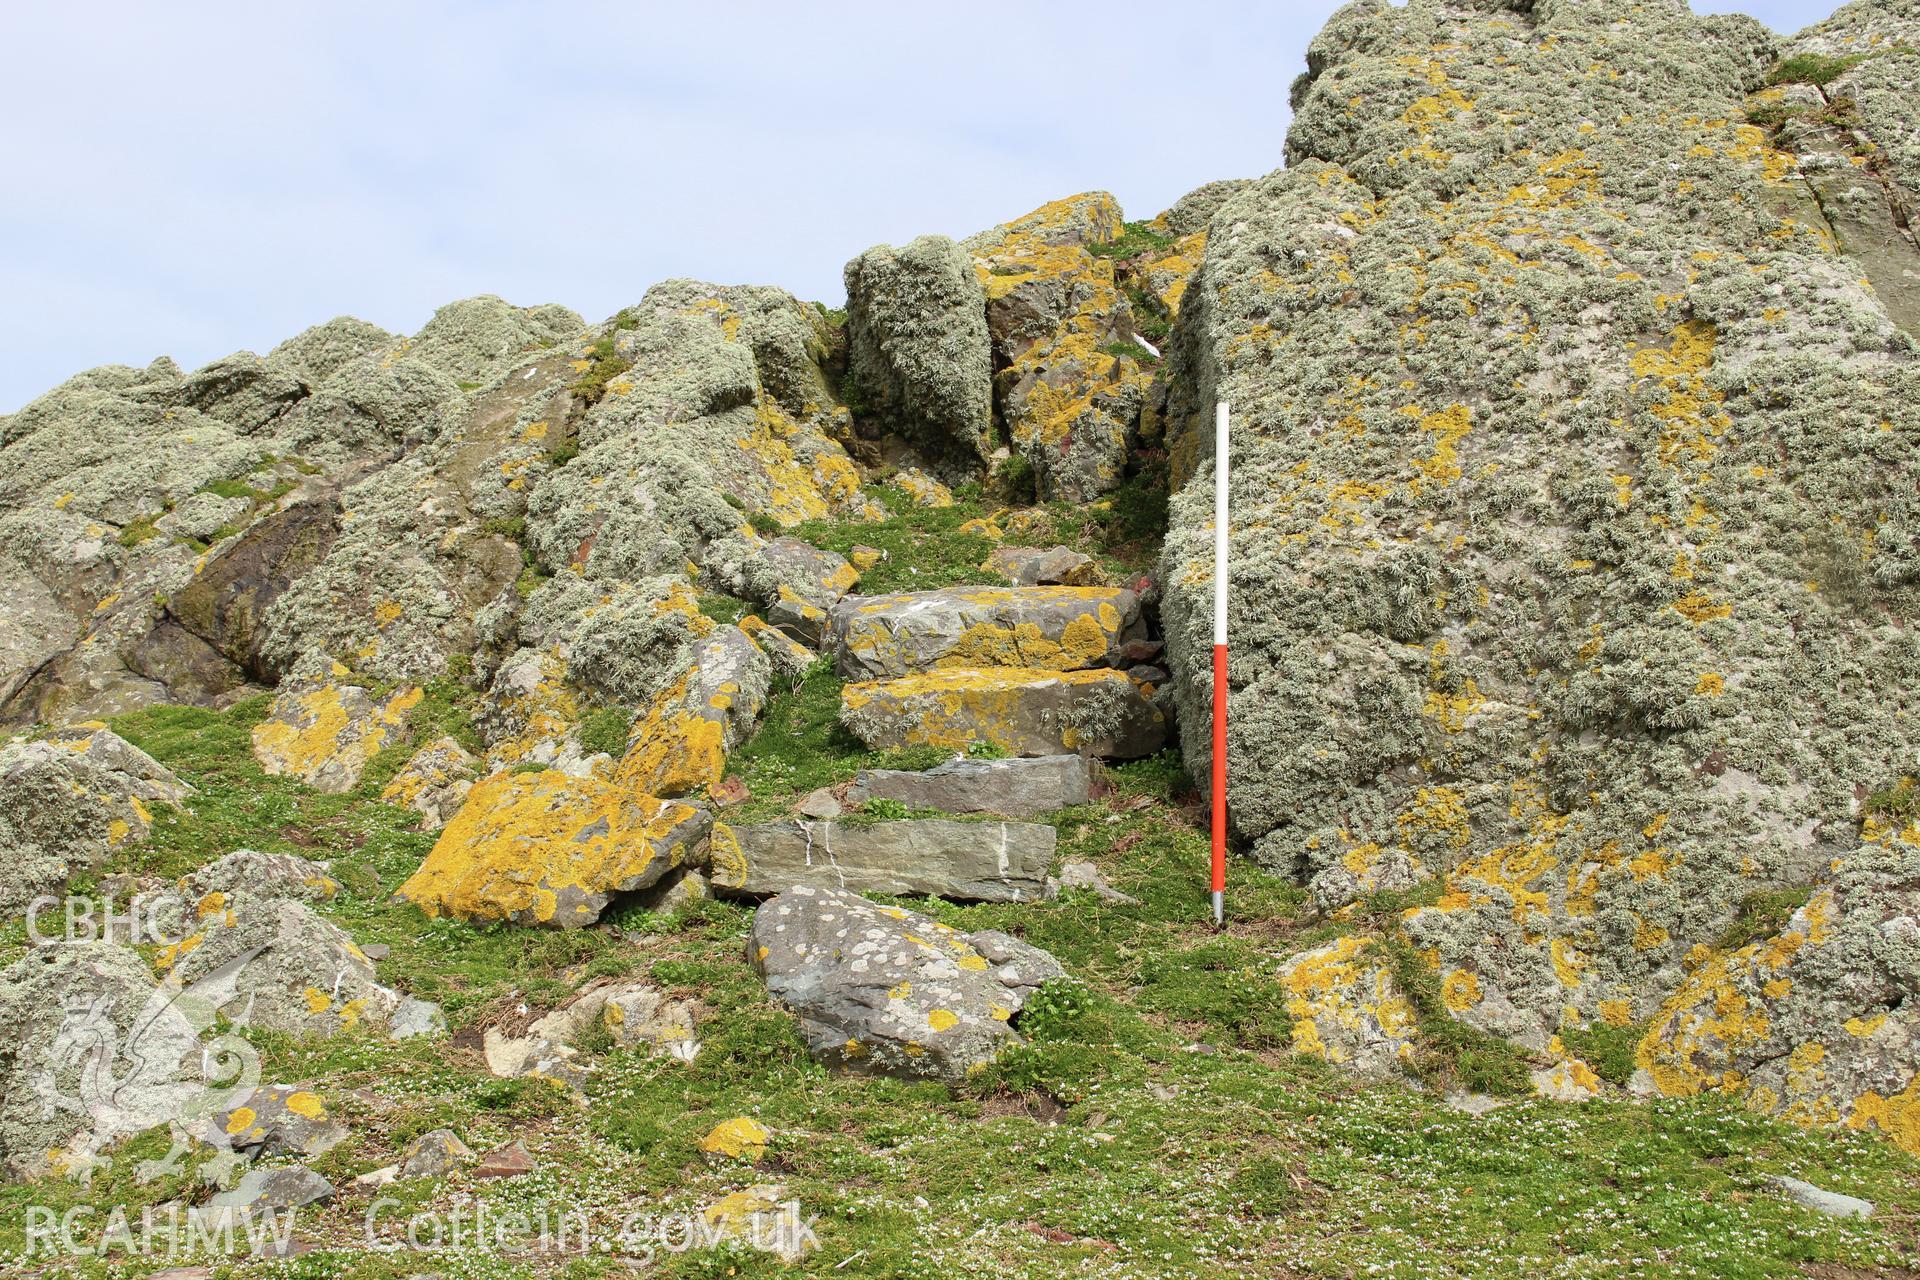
(1220, 525)
(1220, 467)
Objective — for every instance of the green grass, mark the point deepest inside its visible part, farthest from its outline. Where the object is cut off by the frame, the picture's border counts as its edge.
(1155, 1124)
(1762, 915)
(1135, 239)
(1816, 69)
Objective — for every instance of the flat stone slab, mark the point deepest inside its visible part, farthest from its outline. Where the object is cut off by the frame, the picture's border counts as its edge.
(1820, 1200)
(1029, 713)
(967, 861)
(1043, 628)
(1018, 788)
(881, 990)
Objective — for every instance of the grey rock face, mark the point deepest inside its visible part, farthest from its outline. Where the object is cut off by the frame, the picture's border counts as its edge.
(274, 963)
(1018, 788)
(1517, 563)
(881, 990)
(1030, 713)
(269, 1191)
(918, 348)
(434, 1154)
(1046, 567)
(970, 861)
(278, 875)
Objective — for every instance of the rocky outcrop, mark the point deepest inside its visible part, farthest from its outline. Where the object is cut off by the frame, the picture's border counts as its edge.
(81, 1017)
(918, 351)
(680, 746)
(877, 989)
(1348, 1010)
(434, 781)
(1564, 441)
(967, 861)
(549, 848)
(154, 525)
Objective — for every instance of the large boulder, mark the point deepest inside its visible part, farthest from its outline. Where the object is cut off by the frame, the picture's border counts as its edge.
(679, 747)
(1036, 628)
(1565, 446)
(918, 350)
(968, 861)
(549, 848)
(878, 989)
(280, 966)
(1029, 713)
(1069, 396)
(69, 798)
(96, 1050)
(323, 731)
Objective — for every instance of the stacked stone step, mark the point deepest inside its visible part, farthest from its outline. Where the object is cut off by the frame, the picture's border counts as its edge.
(1035, 671)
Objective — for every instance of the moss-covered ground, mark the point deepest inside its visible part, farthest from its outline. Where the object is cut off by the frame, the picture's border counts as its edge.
(1157, 1124)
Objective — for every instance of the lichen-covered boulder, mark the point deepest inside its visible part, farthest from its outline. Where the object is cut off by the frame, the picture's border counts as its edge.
(1037, 628)
(249, 871)
(918, 349)
(324, 731)
(434, 781)
(95, 1051)
(1813, 1022)
(679, 747)
(1030, 713)
(278, 1120)
(1564, 444)
(632, 1015)
(878, 989)
(1054, 310)
(67, 799)
(1046, 567)
(790, 659)
(1348, 1010)
(966, 861)
(278, 965)
(549, 848)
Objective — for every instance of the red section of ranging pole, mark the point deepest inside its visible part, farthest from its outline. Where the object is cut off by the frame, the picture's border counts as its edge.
(1219, 663)
(1219, 781)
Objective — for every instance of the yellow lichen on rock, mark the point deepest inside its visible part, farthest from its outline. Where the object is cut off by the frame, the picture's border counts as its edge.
(324, 733)
(1347, 1009)
(550, 848)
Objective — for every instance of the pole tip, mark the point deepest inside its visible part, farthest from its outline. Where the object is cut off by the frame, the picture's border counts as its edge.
(1219, 908)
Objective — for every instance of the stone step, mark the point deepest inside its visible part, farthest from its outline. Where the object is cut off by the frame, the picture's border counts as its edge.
(1027, 712)
(966, 861)
(1036, 628)
(1016, 788)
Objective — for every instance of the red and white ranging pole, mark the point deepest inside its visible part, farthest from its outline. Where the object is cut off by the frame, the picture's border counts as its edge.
(1219, 664)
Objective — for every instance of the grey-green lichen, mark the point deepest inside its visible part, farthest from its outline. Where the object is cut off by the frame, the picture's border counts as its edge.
(918, 351)
(1573, 495)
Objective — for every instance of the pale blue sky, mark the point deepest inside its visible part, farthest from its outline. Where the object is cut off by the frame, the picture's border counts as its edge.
(196, 178)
